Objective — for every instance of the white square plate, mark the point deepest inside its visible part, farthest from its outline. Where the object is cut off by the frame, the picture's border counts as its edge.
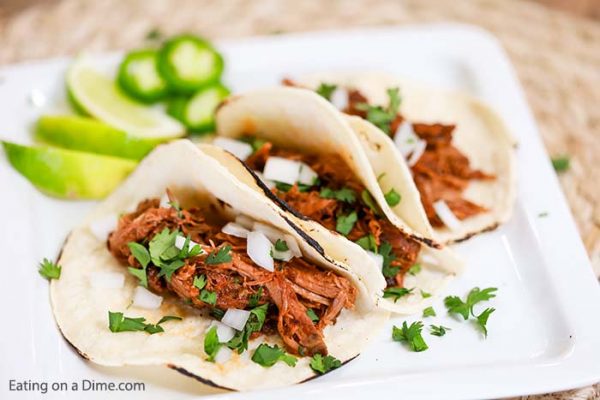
(543, 336)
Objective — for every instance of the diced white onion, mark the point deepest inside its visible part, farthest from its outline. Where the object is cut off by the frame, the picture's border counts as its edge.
(235, 318)
(268, 183)
(238, 148)
(107, 280)
(223, 355)
(446, 215)
(292, 245)
(282, 255)
(233, 229)
(102, 227)
(417, 152)
(244, 221)
(307, 175)
(259, 250)
(282, 170)
(143, 298)
(405, 138)
(378, 258)
(180, 242)
(224, 332)
(164, 201)
(339, 98)
(272, 233)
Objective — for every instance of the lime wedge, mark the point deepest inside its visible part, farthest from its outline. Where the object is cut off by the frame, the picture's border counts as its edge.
(100, 97)
(67, 173)
(86, 134)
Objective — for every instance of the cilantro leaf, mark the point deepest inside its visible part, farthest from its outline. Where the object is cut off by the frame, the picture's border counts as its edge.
(483, 318)
(410, 335)
(281, 245)
(255, 298)
(167, 269)
(321, 364)
(219, 256)
(211, 344)
(199, 281)
(312, 315)
(160, 243)
(267, 356)
(392, 198)
(476, 296)
(425, 295)
(169, 318)
(561, 163)
(326, 90)
(415, 269)
(254, 324)
(142, 256)
(396, 293)
(438, 330)
(344, 194)
(345, 223)
(380, 116)
(117, 322)
(370, 202)
(255, 142)
(368, 242)
(49, 270)
(428, 312)
(456, 306)
(208, 297)
(385, 250)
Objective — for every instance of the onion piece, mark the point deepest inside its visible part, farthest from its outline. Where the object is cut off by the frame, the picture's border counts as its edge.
(143, 298)
(244, 221)
(180, 242)
(405, 138)
(103, 226)
(282, 255)
(235, 318)
(417, 152)
(272, 233)
(234, 229)
(268, 183)
(378, 258)
(282, 170)
(446, 215)
(107, 280)
(259, 250)
(223, 355)
(236, 147)
(225, 333)
(292, 245)
(339, 98)
(307, 175)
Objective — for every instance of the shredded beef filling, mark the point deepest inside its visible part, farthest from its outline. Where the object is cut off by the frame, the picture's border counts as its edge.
(442, 172)
(293, 288)
(335, 174)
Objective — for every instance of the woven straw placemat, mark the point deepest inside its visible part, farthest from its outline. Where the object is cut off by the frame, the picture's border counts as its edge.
(557, 58)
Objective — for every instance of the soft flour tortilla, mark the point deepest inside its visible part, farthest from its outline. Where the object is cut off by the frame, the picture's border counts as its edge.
(81, 310)
(480, 134)
(301, 119)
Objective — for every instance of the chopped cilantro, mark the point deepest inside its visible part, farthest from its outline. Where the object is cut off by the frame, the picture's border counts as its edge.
(199, 281)
(428, 312)
(345, 223)
(312, 315)
(167, 269)
(455, 305)
(415, 269)
(392, 198)
(220, 256)
(561, 163)
(281, 245)
(344, 194)
(143, 257)
(49, 270)
(255, 298)
(255, 142)
(321, 364)
(483, 318)
(425, 294)
(368, 242)
(117, 322)
(208, 297)
(254, 324)
(267, 356)
(410, 335)
(370, 201)
(438, 330)
(326, 90)
(396, 293)
(383, 117)
(385, 250)
(211, 344)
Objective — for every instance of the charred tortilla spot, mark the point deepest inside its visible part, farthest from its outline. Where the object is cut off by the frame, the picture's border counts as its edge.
(199, 378)
(469, 235)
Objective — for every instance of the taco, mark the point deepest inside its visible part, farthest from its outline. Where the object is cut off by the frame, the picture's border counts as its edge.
(306, 158)
(460, 154)
(210, 279)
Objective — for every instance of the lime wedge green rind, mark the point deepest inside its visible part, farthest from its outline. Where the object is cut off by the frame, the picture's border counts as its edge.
(89, 135)
(101, 98)
(67, 173)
